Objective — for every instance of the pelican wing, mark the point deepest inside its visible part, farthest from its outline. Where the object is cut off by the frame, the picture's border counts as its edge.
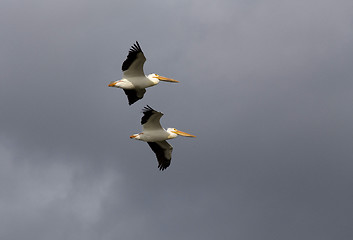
(134, 94)
(133, 65)
(163, 151)
(150, 119)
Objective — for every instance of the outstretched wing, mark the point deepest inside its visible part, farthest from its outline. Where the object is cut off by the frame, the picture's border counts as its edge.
(163, 151)
(133, 65)
(134, 95)
(150, 119)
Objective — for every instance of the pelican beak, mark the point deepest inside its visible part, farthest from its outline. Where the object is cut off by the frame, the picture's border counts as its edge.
(112, 84)
(183, 133)
(165, 79)
(132, 136)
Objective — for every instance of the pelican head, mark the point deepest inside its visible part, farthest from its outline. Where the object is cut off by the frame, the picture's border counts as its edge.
(155, 78)
(174, 133)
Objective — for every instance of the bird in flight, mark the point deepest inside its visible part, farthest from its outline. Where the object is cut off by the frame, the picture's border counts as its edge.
(134, 81)
(155, 135)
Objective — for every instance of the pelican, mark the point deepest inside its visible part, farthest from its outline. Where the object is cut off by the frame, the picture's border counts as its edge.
(134, 81)
(156, 136)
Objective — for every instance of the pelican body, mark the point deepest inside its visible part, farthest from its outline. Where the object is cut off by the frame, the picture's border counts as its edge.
(134, 81)
(155, 135)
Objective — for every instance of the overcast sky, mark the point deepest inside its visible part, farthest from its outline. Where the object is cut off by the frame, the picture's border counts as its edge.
(266, 86)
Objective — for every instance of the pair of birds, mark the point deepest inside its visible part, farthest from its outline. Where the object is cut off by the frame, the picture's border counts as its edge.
(134, 84)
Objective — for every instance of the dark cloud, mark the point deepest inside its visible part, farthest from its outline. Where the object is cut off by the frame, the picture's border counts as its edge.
(266, 87)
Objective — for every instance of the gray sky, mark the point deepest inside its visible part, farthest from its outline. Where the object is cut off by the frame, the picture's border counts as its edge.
(265, 85)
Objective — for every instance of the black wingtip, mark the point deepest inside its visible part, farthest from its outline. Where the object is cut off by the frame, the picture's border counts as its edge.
(163, 167)
(147, 108)
(147, 113)
(135, 48)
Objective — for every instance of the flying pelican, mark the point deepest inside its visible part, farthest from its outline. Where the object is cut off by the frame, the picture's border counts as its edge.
(156, 136)
(134, 80)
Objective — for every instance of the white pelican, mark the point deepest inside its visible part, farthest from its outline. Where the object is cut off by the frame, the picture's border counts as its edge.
(156, 136)
(134, 80)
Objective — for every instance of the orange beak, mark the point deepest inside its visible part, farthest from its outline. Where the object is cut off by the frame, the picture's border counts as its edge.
(183, 133)
(165, 79)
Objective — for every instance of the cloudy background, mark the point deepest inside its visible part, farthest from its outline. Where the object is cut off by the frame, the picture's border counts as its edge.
(265, 85)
